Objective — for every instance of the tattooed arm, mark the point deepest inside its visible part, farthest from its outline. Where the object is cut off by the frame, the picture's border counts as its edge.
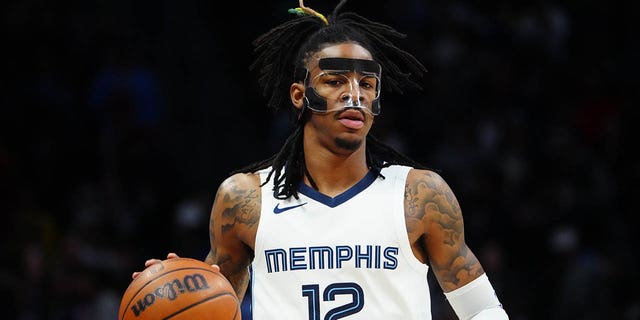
(436, 231)
(232, 228)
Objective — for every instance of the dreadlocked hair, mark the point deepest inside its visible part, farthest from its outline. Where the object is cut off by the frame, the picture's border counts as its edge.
(288, 46)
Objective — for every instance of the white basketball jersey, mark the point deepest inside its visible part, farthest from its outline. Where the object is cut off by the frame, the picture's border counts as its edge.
(344, 257)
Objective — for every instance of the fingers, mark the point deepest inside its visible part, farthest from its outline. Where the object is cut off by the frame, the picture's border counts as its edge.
(172, 255)
(216, 267)
(151, 262)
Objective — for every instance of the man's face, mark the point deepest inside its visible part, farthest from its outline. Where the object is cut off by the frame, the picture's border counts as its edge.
(348, 117)
(347, 83)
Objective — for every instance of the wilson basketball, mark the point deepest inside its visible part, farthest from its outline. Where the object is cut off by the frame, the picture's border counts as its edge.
(180, 289)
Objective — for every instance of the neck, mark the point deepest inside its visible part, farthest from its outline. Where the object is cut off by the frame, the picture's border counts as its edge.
(333, 172)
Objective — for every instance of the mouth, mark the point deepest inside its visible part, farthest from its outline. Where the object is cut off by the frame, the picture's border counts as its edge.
(351, 118)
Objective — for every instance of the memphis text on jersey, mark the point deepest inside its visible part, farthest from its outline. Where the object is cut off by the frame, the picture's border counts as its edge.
(324, 257)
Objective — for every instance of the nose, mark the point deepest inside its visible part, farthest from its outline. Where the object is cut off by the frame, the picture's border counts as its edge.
(348, 96)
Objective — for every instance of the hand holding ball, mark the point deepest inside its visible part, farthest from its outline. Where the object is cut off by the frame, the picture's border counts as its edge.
(180, 289)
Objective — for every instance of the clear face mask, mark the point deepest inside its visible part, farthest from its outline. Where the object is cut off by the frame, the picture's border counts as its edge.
(344, 83)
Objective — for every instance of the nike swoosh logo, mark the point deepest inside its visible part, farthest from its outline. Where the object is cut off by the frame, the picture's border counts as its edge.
(277, 208)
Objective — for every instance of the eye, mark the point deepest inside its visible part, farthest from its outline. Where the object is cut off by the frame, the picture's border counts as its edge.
(368, 83)
(334, 81)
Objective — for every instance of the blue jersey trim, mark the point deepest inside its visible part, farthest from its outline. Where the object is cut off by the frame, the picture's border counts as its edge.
(341, 198)
(246, 306)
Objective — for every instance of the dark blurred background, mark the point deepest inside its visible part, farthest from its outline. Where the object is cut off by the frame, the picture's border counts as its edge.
(120, 118)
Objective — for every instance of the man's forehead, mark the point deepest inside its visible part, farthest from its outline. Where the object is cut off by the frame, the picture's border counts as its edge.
(346, 50)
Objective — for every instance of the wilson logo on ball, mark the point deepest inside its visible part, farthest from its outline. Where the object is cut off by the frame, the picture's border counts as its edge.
(171, 290)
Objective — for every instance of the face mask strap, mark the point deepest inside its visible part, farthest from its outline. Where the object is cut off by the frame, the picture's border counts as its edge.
(313, 99)
(355, 65)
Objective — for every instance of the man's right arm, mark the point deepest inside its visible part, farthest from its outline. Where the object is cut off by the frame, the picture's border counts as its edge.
(232, 228)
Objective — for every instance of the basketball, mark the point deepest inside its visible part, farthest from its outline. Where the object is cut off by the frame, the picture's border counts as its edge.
(180, 289)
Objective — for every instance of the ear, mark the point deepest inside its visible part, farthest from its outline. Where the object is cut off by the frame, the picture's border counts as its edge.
(297, 95)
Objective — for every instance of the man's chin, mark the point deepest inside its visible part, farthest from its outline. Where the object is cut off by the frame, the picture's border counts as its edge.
(348, 144)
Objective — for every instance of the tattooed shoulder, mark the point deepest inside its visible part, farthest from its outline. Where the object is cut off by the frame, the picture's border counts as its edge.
(429, 198)
(239, 198)
(431, 211)
(426, 191)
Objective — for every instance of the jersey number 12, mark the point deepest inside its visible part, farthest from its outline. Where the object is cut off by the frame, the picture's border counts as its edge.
(312, 292)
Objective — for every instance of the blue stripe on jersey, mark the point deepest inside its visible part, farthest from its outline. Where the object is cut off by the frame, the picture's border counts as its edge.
(341, 198)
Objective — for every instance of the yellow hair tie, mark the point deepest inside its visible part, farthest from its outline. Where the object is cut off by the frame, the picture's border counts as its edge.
(306, 10)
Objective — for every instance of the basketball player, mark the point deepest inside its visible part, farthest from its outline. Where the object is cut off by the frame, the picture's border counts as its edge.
(337, 224)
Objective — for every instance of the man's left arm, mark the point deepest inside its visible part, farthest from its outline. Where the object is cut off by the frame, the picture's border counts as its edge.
(458, 271)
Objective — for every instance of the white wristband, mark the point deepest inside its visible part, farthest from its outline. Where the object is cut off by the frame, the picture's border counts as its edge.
(476, 300)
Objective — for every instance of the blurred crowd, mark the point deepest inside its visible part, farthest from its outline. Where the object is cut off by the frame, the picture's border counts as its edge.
(119, 119)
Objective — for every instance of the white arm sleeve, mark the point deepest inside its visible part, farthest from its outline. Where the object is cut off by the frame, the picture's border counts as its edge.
(476, 300)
